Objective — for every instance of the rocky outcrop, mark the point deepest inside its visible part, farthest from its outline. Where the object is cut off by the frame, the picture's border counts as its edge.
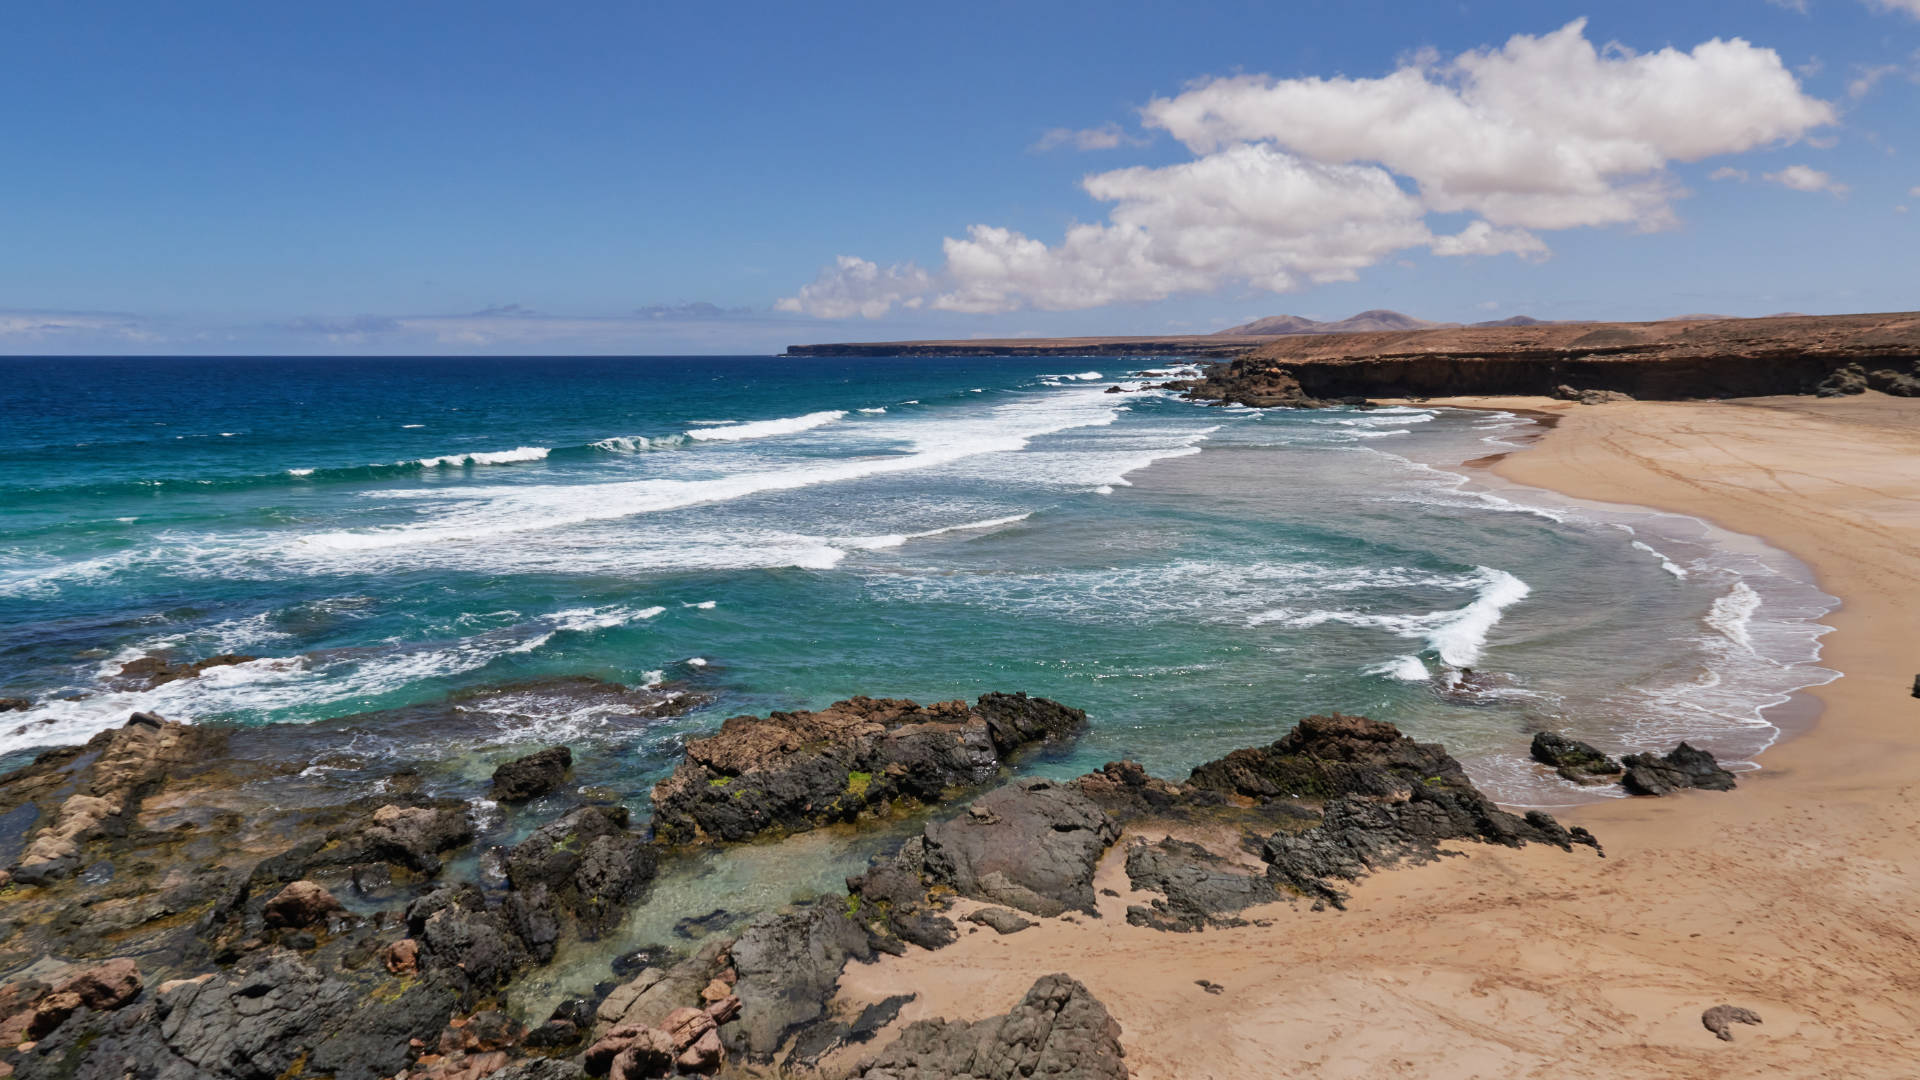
(795, 771)
(1680, 768)
(1057, 1030)
(301, 904)
(1254, 383)
(1198, 888)
(587, 863)
(1589, 397)
(1327, 756)
(1031, 845)
(1573, 759)
(1000, 920)
(789, 966)
(148, 672)
(532, 776)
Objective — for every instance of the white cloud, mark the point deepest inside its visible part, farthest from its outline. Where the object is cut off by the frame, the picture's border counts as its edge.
(1308, 180)
(1728, 172)
(1546, 132)
(1790, 5)
(1481, 238)
(1806, 178)
(50, 325)
(854, 286)
(1109, 137)
(1911, 7)
(1866, 77)
(1914, 191)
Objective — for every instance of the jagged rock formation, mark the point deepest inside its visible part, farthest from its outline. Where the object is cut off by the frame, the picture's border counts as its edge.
(795, 771)
(1058, 1029)
(1198, 888)
(532, 776)
(1573, 759)
(1680, 768)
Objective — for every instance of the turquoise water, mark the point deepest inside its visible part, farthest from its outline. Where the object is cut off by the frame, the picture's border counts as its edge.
(781, 532)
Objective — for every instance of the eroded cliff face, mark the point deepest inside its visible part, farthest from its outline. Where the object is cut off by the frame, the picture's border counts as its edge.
(1657, 361)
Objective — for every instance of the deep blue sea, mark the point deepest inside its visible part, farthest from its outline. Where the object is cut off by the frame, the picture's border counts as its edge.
(393, 536)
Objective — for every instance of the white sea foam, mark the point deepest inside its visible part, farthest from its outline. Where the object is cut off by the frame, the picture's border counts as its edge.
(413, 425)
(300, 472)
(697, 661)
(894, 540)
(1665, 563)
(487, 457)
(1405, 668)
(1458, 636)
(587, 620)
(763, 429)
(634, 444)
(875, 411)
(1732, 614)
(704, 605)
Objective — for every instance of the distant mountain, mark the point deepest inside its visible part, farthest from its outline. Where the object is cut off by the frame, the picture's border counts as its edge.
(1377, 319)
(1515, 320)
(1696, 318)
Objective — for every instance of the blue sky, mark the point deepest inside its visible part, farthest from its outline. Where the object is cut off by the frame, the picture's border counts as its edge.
(628, 178)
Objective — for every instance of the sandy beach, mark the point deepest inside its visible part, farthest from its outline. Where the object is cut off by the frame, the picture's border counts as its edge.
(1796, 896)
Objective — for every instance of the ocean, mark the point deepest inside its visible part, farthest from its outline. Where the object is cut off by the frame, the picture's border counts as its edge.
(395, 539)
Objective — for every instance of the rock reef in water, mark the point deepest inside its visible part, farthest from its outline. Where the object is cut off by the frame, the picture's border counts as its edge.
(1573, 759)
(796, 771)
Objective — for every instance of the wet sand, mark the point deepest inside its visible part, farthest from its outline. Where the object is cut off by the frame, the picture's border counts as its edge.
(1796, 896)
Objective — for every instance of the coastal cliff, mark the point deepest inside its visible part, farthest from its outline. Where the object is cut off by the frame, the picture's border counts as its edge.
(1670, 360)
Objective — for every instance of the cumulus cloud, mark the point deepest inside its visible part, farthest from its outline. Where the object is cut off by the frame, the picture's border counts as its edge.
(1806, 178)
(1308, 180)
(1910, 7)
(1108, 137)
(1728, 172)
(854, 286)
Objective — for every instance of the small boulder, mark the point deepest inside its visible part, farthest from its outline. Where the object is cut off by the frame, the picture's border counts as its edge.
(301, 904)
(1000, 919)
(532, 776)
(1721, 1018)
(403, 957)
(106, 987)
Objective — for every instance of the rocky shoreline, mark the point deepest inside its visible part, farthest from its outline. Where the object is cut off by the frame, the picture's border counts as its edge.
(160, 923)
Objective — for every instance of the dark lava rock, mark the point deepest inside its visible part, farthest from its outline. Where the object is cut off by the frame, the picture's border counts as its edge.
(1199, 887)
(590, 864)
(893, 897)
(1573, 760)
(532, 776)
(1057, 1030)
(1031, 845)
(1899, 384)
(794, 771)
(788, 968)
(544, 1068)
(1683, 767)
(15, 704)
(820, 1039)
(1000, 919)
(1259, 384)
(1325, 756)
(1721, 1018)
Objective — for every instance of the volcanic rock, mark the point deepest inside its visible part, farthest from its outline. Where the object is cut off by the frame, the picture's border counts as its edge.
(789, 966)
(1057, 1030)
(1682, 767)
(1199, 888)
(1572, 759)
(1589, 397)
(1031, 845)
(148, 672)
(590, 864)
(532, 776)
(795, 771)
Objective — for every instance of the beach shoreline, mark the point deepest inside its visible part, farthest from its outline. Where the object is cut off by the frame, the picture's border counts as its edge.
(1792, 896)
